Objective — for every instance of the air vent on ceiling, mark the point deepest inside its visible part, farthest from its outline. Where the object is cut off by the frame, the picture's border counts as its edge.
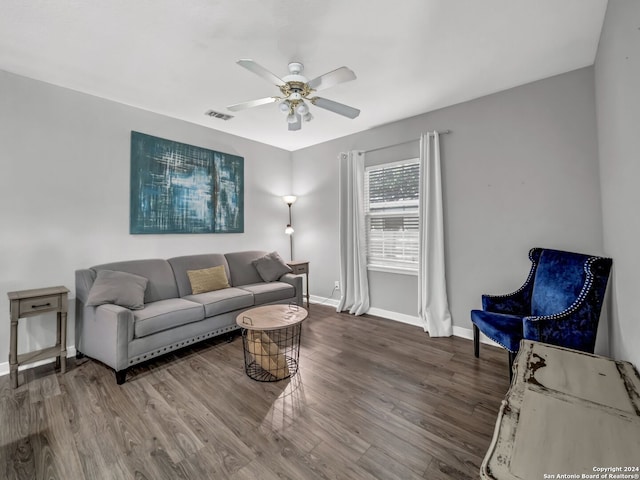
(214, 114)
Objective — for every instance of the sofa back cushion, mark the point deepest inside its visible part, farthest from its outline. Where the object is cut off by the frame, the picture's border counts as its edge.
(242, 270)
(181, 265)
(162, 283)
(559, 279)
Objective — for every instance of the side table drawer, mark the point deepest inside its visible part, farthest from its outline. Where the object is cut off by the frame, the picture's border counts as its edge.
(298, 269)
(30, 305)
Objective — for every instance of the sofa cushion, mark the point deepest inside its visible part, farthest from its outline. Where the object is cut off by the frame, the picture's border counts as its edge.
(181, 265)
(270, 292)
(162, 283)
(119, 288)
(165, 314)
(241, 267)
(223, 301)
(208, 279)
(271, 267)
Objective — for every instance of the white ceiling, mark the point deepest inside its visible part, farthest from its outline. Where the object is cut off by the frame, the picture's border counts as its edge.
(177, 57)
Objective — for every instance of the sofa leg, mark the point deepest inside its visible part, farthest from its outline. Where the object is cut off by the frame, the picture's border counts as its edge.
(121, 376)
(476, 341)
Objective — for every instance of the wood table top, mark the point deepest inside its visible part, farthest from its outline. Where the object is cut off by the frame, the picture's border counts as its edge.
(37, 292)
(271, 317)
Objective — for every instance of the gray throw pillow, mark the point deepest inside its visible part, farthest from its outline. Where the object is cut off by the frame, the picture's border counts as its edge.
(120, 288)
(271, 267)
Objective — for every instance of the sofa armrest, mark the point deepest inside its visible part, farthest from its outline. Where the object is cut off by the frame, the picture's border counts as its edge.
(296, 282)
(104, 333)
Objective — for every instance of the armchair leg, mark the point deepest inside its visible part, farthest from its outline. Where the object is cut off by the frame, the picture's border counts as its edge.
(476, 341)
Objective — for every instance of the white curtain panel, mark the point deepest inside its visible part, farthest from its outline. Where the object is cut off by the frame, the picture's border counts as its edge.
(353, 243)
(433, 306)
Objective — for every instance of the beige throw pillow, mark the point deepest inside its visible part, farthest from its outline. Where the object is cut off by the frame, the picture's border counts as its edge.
(208, 279)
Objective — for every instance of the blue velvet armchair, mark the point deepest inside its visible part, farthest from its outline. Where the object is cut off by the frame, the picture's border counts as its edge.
(559, 303)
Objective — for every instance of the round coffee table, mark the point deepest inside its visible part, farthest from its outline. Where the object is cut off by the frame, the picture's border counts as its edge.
(271, 341)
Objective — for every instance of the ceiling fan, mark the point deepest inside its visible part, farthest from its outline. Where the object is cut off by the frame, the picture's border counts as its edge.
(297, 92)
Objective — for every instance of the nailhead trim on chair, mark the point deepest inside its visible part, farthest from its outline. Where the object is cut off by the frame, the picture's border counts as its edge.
(503, 346)
(581, 296)
(178, 345)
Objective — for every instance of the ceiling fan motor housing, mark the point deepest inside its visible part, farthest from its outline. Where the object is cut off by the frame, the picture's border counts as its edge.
(296, 68)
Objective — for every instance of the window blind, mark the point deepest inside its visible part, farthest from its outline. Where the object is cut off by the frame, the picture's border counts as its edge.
(391, 209)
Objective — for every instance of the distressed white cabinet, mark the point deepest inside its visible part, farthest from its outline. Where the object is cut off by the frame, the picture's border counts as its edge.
(566, 413)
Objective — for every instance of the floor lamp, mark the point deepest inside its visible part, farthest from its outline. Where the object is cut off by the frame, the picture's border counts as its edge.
(290, 200)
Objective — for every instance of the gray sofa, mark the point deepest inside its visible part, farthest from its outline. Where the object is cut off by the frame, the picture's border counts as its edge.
(172, 316)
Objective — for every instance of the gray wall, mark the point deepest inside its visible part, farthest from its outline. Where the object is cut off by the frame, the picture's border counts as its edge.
(520, 169)
(64, 186)
(617, 76)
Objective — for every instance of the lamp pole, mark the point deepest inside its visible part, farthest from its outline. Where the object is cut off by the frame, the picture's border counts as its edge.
(290, 235)
(289, 200)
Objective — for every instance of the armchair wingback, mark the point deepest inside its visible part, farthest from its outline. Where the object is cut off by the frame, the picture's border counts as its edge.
(559, 303)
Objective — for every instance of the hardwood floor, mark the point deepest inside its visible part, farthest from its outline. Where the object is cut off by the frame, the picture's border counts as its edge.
(373, 399)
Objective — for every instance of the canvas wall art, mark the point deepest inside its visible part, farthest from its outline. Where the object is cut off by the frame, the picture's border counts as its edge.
(180, 188)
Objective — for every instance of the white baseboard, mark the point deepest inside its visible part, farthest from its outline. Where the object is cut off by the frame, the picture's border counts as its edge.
(461, 332)
(4, 367)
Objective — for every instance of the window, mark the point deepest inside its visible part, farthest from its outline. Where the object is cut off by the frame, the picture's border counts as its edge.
(391, 211)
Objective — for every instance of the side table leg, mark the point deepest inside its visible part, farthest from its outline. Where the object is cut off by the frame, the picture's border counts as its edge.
(63, 341)
(13, 352)
(58, 344)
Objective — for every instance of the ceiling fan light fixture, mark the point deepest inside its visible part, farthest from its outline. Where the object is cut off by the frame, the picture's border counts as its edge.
(302, 108)
(307, 117)
(284, 107)
(291, 118)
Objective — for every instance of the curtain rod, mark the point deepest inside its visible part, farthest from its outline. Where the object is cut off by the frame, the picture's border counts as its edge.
(443, 132)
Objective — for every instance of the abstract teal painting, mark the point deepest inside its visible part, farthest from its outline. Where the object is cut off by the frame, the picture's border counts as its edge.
(180, 188)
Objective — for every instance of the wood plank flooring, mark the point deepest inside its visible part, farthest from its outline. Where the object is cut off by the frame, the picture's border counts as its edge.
(373, 399)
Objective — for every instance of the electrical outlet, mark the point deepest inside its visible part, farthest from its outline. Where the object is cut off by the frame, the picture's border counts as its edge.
(336, 285)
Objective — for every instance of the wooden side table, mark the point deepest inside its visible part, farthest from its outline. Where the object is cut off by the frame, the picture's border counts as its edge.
(28, 303)
(271, 341)
(300, 268)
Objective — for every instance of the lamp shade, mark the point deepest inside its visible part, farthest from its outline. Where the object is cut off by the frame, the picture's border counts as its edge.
(289, 199)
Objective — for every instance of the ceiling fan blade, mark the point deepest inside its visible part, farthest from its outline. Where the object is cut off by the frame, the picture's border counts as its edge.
(252, 103)
(339, 75)
(261, 71)
(297, 125)
(339, 108)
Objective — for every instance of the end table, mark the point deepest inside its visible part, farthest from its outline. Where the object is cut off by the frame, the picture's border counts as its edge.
(28, 303)
(300, 268)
